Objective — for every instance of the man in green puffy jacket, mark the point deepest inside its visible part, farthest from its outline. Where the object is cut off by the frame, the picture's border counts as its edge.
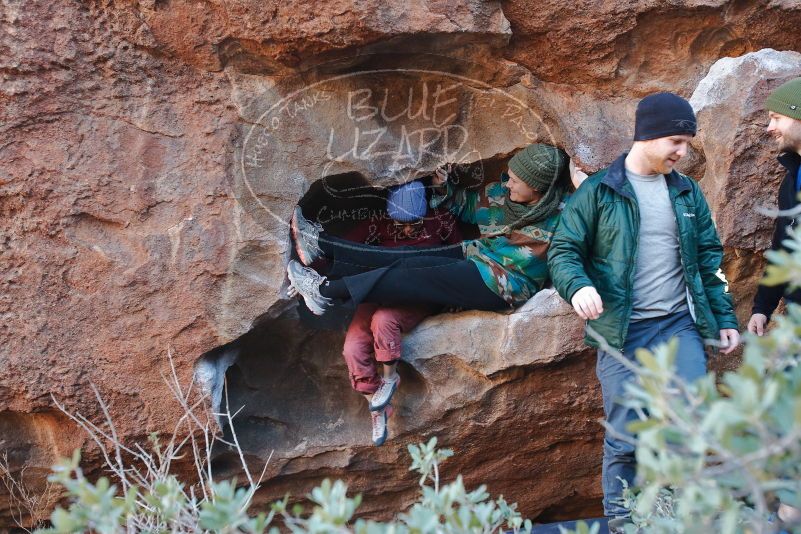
(637, 255)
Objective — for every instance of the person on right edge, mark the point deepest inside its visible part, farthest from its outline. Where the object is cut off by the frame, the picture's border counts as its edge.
(636, 253)
(784, 114)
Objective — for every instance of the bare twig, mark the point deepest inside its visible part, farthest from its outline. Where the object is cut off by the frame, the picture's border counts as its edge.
(23, 501)
(144, 468)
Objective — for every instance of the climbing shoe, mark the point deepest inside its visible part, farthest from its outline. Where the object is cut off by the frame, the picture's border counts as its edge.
(306, 282)
(379, 419)
(384, 393)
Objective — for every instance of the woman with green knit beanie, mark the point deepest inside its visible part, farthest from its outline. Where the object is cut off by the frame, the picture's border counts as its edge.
(501, 269)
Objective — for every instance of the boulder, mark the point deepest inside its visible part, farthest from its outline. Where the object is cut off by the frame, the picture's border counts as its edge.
(520, 385)
(633, 48)
(742, 174)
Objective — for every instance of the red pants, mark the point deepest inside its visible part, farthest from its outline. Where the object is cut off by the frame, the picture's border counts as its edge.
(374, 335)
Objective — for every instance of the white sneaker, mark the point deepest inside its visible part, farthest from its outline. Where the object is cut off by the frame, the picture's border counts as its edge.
(306, 282)
(384, 393)
(380, 431)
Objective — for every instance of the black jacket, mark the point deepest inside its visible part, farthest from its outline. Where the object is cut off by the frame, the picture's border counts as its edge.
(768, 297)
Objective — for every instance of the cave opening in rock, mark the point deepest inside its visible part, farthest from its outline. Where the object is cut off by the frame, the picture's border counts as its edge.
(342, 201)
(286, 377)
(289, 385)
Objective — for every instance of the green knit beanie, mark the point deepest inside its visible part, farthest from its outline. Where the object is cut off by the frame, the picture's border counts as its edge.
(786, 99)
(539, 166)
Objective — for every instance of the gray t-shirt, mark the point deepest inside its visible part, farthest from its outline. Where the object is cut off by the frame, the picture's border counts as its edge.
(659, 287)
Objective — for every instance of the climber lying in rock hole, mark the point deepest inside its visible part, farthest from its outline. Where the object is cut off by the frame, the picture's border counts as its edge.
(500, 270)
(374, 334)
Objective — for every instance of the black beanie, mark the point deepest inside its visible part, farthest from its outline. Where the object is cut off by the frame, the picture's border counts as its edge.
(663, 115)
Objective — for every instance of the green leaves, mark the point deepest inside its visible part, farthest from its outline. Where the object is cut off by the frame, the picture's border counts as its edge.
(227, 511)
(425, 457)
(94, 507)
(713, 457)
(333, 505)
(450, 508)
(583, 528)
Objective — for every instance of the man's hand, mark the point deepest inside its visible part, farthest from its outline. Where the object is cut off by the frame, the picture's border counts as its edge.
(587, 303)
(757, 324)
(729, 340)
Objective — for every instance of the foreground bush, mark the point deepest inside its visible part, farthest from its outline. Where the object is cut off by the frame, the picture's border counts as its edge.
(167, 507)
(146, 497)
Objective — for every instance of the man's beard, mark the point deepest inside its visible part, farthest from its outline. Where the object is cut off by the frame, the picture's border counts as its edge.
(791, 141)
(786, 145)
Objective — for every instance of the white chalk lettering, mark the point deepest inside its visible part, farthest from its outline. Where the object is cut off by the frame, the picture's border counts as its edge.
(440, 104)
(361, 110)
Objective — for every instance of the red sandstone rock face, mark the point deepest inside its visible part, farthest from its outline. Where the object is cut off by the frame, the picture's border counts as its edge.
(519, 384)
(129, 226)
(280, 37)
(642, 46)
(115, 219)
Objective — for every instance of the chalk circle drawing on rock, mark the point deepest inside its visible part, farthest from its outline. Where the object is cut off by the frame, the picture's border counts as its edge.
(390, 126)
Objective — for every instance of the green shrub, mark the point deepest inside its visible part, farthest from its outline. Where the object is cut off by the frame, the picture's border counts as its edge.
(165, 507)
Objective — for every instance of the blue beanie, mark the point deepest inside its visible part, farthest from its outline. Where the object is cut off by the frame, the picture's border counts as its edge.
(663, 115)
(407, 202)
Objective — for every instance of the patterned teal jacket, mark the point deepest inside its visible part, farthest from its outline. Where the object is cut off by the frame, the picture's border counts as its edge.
(513, 264)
